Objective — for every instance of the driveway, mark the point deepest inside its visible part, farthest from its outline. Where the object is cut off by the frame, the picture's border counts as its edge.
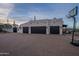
(17, 44)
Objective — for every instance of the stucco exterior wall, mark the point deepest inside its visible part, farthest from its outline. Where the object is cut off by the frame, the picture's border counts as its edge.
(43, 22)
(50, 22)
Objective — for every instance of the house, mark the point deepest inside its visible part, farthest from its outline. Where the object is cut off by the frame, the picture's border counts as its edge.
(8, 25)
(42, 26)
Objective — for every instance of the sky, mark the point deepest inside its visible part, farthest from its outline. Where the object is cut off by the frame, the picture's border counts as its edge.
(23, 12)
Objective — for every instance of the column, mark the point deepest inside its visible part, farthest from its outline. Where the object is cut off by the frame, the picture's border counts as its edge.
(20, 30)
(47, 30)
(29, 30)
(60, 30)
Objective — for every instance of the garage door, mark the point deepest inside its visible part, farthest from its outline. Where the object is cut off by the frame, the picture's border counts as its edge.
(14, 29)
(25, 29)
(54, 29)
(38, 30)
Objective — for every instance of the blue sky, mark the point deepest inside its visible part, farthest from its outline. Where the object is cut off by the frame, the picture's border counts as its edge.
(23, 12)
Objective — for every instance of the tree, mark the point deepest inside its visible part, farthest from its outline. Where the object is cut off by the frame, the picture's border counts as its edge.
(1, 27)
(7, 26)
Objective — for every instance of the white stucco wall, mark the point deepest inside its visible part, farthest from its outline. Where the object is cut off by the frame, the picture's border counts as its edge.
(55, 22)
(43, 22)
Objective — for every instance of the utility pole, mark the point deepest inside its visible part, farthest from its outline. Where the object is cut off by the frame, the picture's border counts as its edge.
(7, 21)
(14, 22)
(34, 17)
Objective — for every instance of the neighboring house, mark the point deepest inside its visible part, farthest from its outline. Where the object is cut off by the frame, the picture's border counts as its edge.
(42, 26)
(8, 25)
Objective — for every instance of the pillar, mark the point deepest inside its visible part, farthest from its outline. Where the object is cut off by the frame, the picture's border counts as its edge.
(29, 30)
(47, 30)
(60, 30)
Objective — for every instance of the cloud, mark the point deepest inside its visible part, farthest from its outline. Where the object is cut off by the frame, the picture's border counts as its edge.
(30, 13)
(5, 9)
(40, 14)
(35, 11)
(49, 13)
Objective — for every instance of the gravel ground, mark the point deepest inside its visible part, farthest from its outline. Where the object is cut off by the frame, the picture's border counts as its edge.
(15, 44)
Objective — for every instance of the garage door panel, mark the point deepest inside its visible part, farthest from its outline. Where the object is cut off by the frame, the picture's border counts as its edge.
(38, 30)
(54, 29)
(25, 29)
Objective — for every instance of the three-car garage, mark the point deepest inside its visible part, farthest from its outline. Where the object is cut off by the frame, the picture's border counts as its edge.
(43, 26)
(41, 30)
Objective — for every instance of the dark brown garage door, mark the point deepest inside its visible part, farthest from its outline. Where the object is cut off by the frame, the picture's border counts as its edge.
(54, 29)
(38, 30)
(25, 29)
